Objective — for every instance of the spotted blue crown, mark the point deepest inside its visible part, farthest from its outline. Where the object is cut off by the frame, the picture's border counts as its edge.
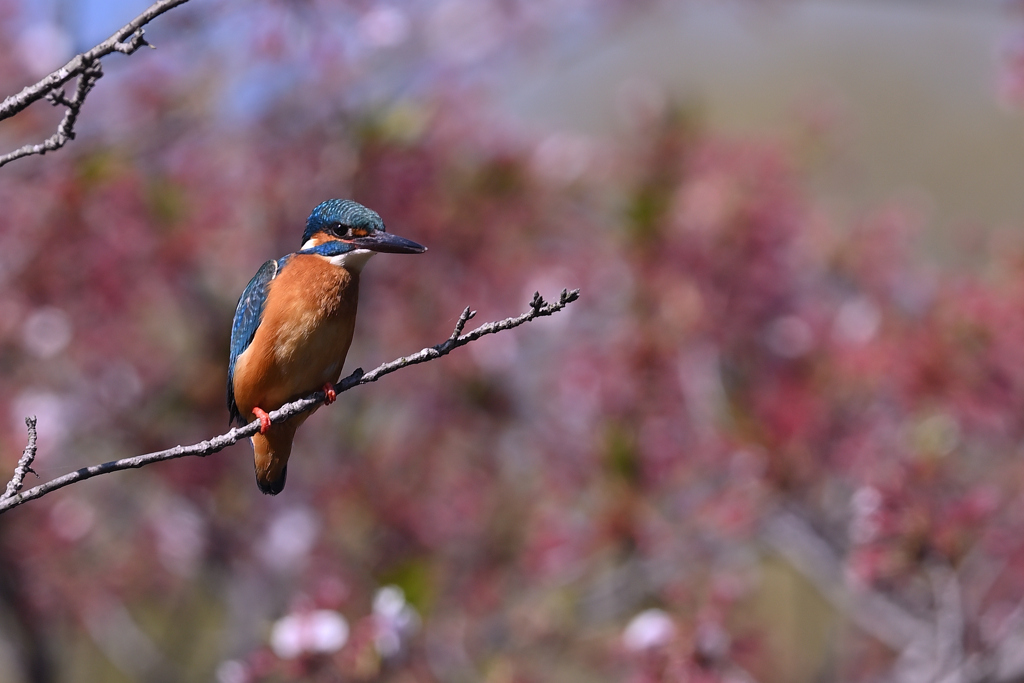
(335, 213)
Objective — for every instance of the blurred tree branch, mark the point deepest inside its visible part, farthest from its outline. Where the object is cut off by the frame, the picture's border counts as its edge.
(34, 645)
(930, 646)
(798, 543)
(12, 497)
(88, 69)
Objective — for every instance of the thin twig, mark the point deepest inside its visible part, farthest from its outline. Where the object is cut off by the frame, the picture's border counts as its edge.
(86, 67)
(25, 463)
(538, 308)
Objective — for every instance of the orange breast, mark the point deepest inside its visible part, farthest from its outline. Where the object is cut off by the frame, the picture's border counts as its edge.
(302, 341)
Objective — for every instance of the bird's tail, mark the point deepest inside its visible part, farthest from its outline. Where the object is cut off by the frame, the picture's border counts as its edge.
(271, 451)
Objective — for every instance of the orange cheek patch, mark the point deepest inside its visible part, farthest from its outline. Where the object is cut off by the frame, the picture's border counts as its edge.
(321, 237)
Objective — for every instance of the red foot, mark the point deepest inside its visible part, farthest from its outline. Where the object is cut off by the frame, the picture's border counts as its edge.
(264, 419)
(332, 395)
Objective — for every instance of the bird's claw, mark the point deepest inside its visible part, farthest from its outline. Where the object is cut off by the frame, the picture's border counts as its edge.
(330, 394)
(264, 419)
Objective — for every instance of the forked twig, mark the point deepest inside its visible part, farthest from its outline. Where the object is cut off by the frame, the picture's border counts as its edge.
(87, 68)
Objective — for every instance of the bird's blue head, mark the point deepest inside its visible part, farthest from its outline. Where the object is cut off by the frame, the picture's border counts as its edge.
(345, 221)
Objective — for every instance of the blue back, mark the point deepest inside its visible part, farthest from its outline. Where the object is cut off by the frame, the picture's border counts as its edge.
(248, 314)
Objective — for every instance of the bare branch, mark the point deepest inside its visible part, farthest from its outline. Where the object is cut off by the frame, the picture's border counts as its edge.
(66, 129)
(25, 463)
(86, 67)
(538, 308)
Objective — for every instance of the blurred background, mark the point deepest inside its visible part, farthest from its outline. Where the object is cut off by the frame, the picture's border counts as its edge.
(778, 439)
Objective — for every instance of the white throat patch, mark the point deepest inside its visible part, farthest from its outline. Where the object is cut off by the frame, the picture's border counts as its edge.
(352, 260)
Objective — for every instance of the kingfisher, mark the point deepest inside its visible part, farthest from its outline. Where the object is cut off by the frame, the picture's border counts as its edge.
(293, 326)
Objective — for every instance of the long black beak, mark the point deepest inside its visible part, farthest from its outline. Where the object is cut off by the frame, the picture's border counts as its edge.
(386, 243)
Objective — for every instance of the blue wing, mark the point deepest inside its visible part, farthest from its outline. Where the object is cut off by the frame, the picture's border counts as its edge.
(247, 318)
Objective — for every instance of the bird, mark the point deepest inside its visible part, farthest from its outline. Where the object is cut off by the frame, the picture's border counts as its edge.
(293, 326)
